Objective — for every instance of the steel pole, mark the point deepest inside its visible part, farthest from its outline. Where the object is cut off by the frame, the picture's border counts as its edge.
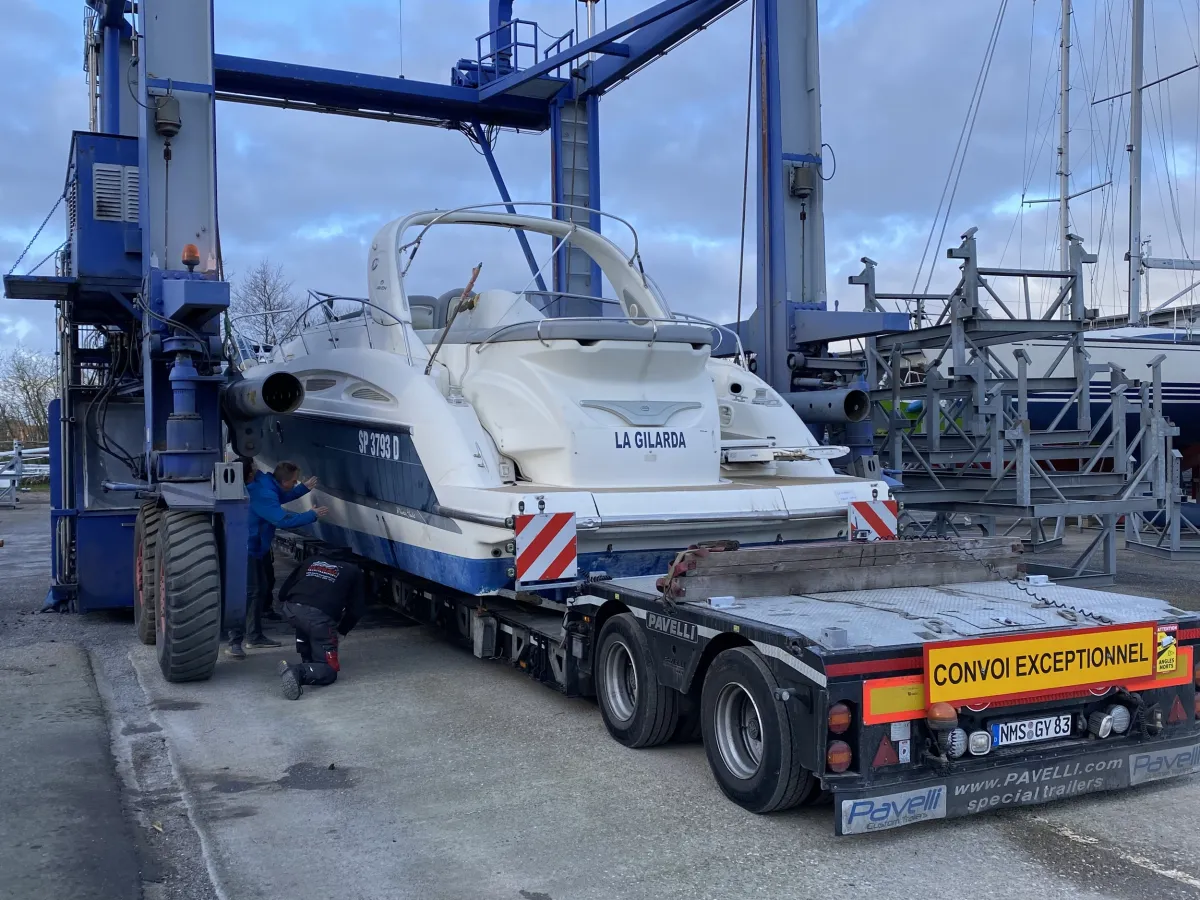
(1135, 163)
(1064, 141)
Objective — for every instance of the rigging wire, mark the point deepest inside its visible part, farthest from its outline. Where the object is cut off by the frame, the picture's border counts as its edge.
(1106, 174)
(1171, 163)
(960, 151)
(746, 163)
(1020, 220)
(1114, 52)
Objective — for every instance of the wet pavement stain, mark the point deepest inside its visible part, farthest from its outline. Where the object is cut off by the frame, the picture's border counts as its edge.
(315, 777)
(234, 812)
(231, 784)
(176, 705)
(140, 729)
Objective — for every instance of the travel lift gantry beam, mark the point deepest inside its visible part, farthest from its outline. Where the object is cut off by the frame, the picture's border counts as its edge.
(137, 470)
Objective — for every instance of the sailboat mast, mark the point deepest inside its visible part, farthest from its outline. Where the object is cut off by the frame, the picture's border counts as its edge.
(1135, 164)
(1064, 139)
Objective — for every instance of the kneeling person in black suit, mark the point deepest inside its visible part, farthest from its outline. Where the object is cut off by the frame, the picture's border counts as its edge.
(322, 598)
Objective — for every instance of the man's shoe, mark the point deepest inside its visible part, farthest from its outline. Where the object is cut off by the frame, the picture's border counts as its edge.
(235, 651)
(289, 682)
(256, 643)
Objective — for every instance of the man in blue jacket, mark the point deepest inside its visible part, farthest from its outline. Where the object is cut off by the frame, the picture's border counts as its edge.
(268, 492)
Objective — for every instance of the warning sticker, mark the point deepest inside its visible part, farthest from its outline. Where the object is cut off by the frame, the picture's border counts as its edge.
(960, 672)
(1166, 649)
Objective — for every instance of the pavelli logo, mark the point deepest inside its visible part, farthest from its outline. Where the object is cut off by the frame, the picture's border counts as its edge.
(1145, 767)
(674, 627)
(324, 570)
(893, 810)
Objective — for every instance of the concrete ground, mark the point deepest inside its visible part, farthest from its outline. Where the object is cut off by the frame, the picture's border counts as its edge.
(425, 773)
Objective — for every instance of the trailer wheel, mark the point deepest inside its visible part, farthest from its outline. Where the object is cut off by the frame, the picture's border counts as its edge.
(637, 710)
(748, 735)
(145, 543)
(188, 577)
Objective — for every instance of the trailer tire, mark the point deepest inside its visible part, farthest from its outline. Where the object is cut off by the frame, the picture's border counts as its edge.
(762, 774)
(637, 710)
(188, 579)
(145, 596)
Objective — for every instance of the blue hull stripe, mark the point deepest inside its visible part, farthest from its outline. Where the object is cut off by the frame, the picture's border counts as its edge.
(478, 576)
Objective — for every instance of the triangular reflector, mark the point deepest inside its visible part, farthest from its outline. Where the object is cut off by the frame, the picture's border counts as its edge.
(886, 754)
(1177, 714)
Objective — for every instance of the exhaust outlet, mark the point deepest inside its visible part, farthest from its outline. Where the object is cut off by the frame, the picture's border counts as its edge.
(839, 407)
(276, 394)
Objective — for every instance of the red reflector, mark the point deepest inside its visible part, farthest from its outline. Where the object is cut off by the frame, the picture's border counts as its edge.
(1177, 714)
(885, 755)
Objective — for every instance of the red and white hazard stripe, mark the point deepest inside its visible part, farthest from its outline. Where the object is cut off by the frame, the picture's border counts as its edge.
(874, 520)
(546, 547)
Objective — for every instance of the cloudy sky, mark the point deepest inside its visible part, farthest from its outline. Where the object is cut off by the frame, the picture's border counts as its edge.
(308, 191)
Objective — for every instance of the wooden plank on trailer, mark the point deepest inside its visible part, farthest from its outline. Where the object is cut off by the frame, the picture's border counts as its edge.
(847, 549)
(848, 554)
(993, 557)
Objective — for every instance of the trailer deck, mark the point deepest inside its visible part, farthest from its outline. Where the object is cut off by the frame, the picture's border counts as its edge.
(884, 619)
(910, 680)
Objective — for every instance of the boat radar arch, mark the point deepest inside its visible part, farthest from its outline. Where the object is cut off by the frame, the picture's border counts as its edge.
(388, 260)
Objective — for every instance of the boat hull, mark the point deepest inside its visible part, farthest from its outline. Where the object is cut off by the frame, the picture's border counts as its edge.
(383, 506)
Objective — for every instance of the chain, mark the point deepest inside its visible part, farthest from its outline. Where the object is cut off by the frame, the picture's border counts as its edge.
(36, 234)
(1026, 589)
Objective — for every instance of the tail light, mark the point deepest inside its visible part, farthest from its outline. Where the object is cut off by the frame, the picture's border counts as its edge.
(840, 718)
(1121, 718)
(838, 757)
(1100, 723)
(979, 743)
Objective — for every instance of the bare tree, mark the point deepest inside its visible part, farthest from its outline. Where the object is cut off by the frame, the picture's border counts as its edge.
(264, 304)
(28, 382)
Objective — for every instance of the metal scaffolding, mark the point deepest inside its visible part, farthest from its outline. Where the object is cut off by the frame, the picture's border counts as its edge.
(952, 398)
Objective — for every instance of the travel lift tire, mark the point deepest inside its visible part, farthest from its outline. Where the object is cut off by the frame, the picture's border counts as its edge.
(145, 542)
(748, 735)
(188, 577)
(637, 710)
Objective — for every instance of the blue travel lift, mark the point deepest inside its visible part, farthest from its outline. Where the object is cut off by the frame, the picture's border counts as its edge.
(145, 512)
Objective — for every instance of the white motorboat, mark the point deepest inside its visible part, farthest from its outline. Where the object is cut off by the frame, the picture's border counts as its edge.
(433, 421)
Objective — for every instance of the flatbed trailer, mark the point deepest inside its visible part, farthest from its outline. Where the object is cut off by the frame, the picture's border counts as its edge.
(910, 680)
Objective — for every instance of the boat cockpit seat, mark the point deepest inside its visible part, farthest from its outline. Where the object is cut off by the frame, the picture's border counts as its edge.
(441, 309)
(423, 308)
(587, 331)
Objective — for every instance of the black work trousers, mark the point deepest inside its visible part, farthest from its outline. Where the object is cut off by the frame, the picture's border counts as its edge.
(260, 576)
(316, 642)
